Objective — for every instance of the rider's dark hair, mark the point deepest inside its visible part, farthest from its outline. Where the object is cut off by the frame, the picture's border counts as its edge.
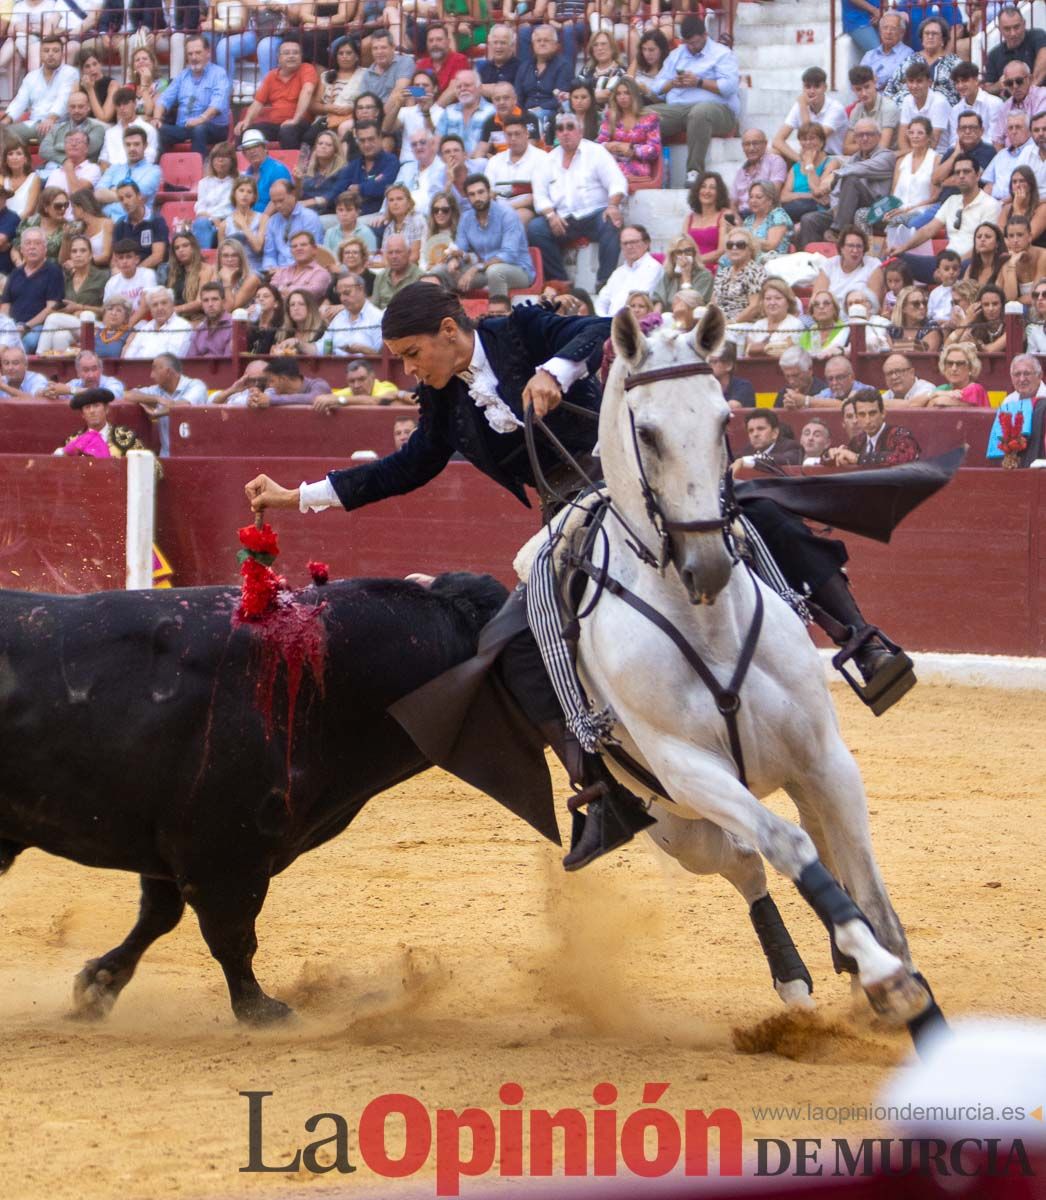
(421, 308)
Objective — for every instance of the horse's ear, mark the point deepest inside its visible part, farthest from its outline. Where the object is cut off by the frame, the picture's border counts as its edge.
(710, 331)
(629, 342)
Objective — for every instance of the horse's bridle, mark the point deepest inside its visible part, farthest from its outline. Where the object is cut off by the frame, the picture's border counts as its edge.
(663, 526)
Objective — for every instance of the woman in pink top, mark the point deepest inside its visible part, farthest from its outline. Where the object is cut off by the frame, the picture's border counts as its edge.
(630, 134)
(707, 220)
(960, 366)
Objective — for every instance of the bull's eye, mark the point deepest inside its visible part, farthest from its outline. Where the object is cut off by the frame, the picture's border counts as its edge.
(647, 435)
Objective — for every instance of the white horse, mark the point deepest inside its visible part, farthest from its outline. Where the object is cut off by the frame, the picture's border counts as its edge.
(664, 420)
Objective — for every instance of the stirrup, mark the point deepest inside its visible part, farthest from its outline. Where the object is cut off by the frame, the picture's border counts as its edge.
(893, 680)
(607, 825)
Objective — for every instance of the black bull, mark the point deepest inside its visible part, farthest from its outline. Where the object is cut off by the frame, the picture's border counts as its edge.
(147, 732)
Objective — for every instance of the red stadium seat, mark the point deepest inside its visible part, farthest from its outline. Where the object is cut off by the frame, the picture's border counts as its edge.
(475, 308)
(289, 158)
(184, 171)
(828, 249)
(177, 214)
(536, 288)
(210, 256)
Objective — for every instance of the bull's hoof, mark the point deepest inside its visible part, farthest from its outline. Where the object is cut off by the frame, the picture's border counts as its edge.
(94, 993)
(899, 998)
(264, 1011)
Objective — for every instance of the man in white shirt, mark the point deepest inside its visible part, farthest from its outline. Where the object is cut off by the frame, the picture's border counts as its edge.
(957, 219)
(113, 152)
(516, 165)
(169, 389)
(640, 272)
(43, 97)
(17, 380)
(1020, 151)
(973, 98)
(923, 101)
(578, 192)
(814, 107)
(166, 333)
(88, 375)
(425, 174)
(76, 172)
(129, 280)
(905, 387)
(356, 327)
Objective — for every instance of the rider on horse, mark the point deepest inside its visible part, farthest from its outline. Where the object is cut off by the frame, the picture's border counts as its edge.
(475, 384)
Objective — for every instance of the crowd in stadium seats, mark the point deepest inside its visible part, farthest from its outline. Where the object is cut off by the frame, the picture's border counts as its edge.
(383, 142)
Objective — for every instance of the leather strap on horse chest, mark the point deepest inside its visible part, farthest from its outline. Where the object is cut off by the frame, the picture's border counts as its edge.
(727, 699)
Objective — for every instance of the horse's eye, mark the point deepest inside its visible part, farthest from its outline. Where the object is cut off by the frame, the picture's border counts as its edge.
(648, 436)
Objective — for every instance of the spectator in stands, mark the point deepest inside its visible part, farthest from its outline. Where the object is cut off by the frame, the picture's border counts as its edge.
(266, 319)
(923, 101)
(766, 443)
(212, 338)
(236, 394)
(913, 184)
(501, 64)
(871, 105)
(332, 101)
(1019, 151)
(852, 267)
(877, 444)
(860, 19)
(363, 390)
(387, 67)
(581, 103)
(353, 257)
(354, 324)
(957, 218)
(903, 387)
(286, 385)
(578, 192)
(681, 270)
(98, 87)
(147, 81)
(164, 333)
(88, 376)
(685, 304)
(8, 228)
(468, 114)
(34, 289)
(408, 111)
(892, 53)
(145, 177)
(492, 138)
(148, 233)
(187, 274)
(493, 246)
(738, 284)
(1027, 398)
(828, 334)
(195, 108)
(402, 431)
(499, 306)
(603, 66)
(1025, 201)
(303, 325)
(50, 219)
(960, 366)
(347, 212)
(326, 176)
(896, 277)
(129, 279)
(858, 182)
(114, 153)
(399, 271)
(984, 323)
(770, 226)
(369, 108)
(440, 59)
(245, 225)
(458, 167)
(111, 336)
(84, 287)
(912, 329)
(777, 326)
(840, 382)
(238, 281)
(760, 164)
(425, 174)
(262, 168)
(404, 221)
(814, 106)
(373, 172)
(848, 411)
(940, 305)
(214, 195)
(78, 120)
(19, 180)
(815, 438)
(639, 271)
(509, 171)
(280, 108)
(169, 389)
(699, 81)
(631, 134)
(43, 96)
(862, 309)
(933, 36)
(545, 75)
(808, 184)
(972, 98)
(1035, 330)
(970, 144)
(738, 393)
(444, 217)
(18, 382)
(1019, 44)
(648, 60)
(288, 218)
(304, 271)
(76, 171)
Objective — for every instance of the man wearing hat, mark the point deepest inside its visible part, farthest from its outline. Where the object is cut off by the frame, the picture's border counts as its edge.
(262, 168)
(98, 439)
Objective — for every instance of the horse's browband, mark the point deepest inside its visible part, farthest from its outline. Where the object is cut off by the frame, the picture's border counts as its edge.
(679, 371)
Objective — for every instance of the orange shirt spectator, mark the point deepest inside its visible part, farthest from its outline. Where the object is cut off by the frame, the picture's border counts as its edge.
(279, 96)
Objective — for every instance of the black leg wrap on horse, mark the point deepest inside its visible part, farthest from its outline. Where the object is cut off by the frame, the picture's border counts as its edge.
(826, 897)
(929, 1023)
(786, 965)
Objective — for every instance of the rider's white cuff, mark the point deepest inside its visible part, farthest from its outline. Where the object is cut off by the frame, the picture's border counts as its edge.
(317, 496)
(565, 372)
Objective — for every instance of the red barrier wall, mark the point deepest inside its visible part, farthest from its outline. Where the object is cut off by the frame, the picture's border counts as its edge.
(41, 426)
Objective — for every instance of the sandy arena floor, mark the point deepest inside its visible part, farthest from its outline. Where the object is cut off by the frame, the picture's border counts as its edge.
(437, 949)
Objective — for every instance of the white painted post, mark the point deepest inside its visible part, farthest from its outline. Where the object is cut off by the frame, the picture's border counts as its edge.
(141, 498)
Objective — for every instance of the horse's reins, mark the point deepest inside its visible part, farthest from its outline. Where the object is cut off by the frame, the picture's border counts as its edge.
(727, 699)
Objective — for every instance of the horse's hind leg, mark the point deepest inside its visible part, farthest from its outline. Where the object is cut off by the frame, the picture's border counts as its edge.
(705, 849)
(103, 979)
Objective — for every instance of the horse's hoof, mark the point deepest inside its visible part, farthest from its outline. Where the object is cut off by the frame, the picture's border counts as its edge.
(795, 994)
(93, 994)
(265, 1011)
(899, 998)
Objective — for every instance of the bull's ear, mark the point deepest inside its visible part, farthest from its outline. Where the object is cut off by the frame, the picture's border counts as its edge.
(710, 331)
(629, 343)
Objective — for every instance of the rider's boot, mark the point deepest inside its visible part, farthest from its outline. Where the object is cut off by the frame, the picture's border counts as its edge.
(885, 668)
(614, 816)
